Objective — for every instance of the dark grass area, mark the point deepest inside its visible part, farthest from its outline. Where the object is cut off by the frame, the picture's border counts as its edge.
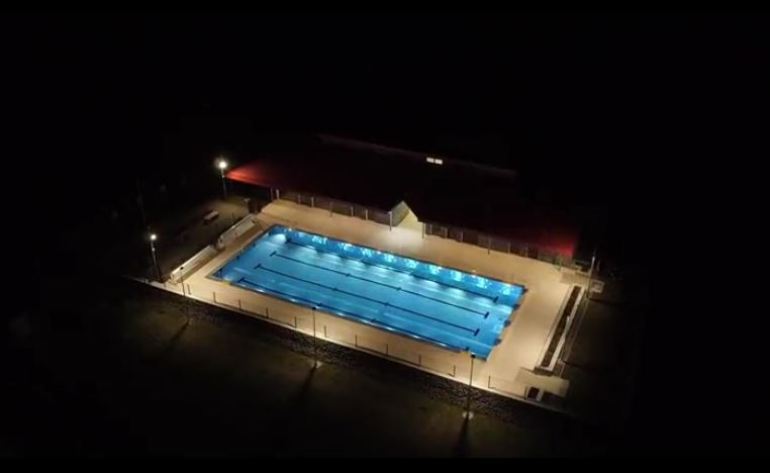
(137, 371)
(602, 353)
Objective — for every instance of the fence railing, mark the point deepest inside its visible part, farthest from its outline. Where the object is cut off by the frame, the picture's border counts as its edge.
(196, 261)
(454, 366)
(235, 231)
(493, 243)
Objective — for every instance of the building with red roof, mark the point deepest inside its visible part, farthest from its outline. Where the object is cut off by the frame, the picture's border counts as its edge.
(457, 199)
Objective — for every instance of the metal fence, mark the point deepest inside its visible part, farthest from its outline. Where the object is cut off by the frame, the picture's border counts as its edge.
(399, 212)
(493, 243)
(349, 209)
(451, 365)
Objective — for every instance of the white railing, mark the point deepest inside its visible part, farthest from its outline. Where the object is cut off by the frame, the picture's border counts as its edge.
(453, 366)
(197, 260)
(231, 234)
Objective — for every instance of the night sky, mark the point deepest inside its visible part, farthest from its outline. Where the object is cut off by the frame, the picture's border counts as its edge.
(651, 116)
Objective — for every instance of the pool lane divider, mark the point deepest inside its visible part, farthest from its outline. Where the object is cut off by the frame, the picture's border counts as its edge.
(398, 288)
(486, 296)
(280, 273)
(351, 316)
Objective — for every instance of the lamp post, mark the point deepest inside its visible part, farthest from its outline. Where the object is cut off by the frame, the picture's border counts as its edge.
(222, 165)
(468, 414)
(315, 343)
(185, 303)
(154, 237)
(591, 274)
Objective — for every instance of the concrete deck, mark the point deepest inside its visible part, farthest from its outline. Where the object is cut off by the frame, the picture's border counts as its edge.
(523, 342)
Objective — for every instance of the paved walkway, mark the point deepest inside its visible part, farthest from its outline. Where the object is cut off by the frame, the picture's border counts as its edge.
(523, 342)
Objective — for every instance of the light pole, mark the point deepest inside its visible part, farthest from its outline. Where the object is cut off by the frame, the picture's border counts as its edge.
(154, 237)
(468, 413)
(315, 343)
(591, 274)
(185, 303)
(222, 165)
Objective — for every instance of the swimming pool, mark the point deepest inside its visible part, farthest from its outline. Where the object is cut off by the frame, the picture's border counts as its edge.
(418, 299)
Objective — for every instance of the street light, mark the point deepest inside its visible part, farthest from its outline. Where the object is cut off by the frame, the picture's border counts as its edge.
(315, 343)
(591, 274)
(154, 237)
(468, 414)
(222, 165)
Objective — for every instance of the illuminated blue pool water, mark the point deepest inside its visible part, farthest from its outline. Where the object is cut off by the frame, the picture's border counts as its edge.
(450, 308)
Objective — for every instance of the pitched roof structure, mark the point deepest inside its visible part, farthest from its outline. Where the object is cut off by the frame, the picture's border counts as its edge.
(438, 190)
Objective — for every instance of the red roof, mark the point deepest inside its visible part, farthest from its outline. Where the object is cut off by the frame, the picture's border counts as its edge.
(456, 193)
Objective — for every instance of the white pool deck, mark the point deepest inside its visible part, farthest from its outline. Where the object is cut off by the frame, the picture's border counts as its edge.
(508, 370)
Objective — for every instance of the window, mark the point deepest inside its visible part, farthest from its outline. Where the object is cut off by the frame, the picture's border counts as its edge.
(433, 160)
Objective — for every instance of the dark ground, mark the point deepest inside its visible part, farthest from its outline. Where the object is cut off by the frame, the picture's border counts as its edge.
(130, 374)
(602, 353)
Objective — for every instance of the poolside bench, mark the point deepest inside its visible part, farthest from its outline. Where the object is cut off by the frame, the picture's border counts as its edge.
(210, 217)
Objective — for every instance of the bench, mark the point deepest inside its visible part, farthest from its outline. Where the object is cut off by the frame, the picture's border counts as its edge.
(210, 217)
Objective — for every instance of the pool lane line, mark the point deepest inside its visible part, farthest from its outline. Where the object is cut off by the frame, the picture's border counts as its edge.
(397, 270)
(387, 304)
(377, 265)
(398, 288)
(365, 247)
(355, 317)
(494, 299)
